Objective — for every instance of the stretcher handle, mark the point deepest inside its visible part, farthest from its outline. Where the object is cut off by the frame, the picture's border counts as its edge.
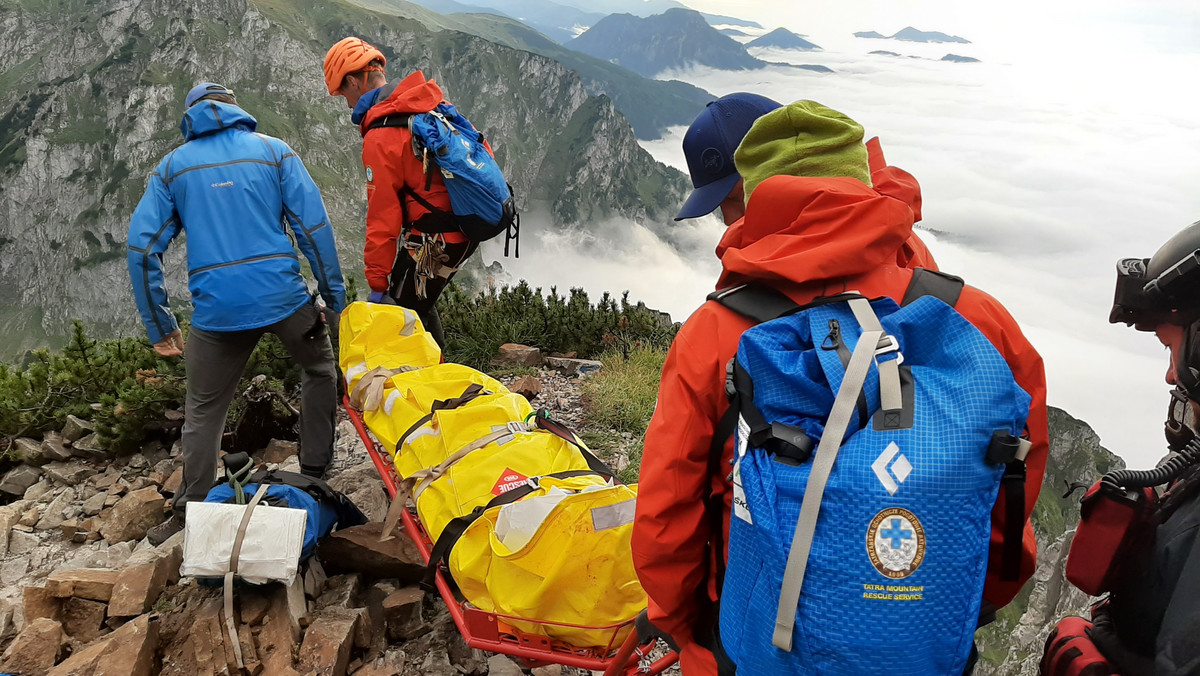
(644, 632)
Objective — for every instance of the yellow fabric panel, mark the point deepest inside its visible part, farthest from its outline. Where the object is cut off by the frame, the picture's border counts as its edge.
(483, 474)
(451, 429)
(576, 569)
(372, 334)
(409, 396)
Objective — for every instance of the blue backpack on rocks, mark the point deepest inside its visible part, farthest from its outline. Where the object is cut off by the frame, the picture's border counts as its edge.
(871, 443)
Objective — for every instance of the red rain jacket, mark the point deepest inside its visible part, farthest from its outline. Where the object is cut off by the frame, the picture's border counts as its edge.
(806, 237)
(391, 164)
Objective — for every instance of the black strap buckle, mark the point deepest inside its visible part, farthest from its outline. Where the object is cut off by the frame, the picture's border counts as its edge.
(1004, 448)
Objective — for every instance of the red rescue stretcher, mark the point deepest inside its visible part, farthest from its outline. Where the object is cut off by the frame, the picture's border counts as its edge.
(494, 632)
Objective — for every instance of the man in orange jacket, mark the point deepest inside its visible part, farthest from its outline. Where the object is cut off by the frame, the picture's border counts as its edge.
(814, 226)
(714, 135)
(413, 247)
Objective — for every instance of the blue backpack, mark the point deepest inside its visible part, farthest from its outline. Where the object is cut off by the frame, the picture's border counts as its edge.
(327, 509)
(871, 443)
(481, 199)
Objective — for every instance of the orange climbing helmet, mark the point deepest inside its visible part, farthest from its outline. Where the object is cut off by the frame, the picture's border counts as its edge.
(349, 55)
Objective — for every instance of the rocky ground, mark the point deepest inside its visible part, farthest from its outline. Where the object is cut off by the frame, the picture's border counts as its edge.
(83, 593)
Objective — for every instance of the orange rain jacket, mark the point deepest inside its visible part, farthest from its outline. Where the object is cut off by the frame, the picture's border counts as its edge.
(391, 164)
(899, 184)
(806, 237)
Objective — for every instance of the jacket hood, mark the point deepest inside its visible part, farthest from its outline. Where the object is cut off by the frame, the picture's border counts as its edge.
(800, 229)
(892, 181)
(207, 117)
(413, 94)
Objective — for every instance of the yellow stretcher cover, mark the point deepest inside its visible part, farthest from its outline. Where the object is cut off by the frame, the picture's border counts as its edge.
(410, 396)
(575, 569)
(449, 430)
(372, 335)
(487, 472)
(480, 443)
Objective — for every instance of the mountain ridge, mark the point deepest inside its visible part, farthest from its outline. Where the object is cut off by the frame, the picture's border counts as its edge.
(90, 98)
(650, 105)
(783, 38)
(676, 38)
(910, 34)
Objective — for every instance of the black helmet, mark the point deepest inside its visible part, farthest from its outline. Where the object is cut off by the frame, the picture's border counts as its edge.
(1165, 289)
(1162, 289)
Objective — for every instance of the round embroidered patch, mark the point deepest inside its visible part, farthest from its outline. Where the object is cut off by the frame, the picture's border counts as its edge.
(712, 160)
(896, 543)
(370, 175)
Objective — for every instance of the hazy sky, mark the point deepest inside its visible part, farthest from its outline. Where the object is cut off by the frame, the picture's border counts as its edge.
(1074, 143)
(1016, 25)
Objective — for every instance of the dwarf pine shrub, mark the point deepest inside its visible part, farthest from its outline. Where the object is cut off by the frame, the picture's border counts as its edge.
(476, 326)
(121, 385)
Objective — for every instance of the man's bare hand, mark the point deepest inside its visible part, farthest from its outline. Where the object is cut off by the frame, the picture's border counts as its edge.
(171, 346)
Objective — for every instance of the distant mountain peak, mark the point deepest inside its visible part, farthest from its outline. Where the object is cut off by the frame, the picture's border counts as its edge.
(910, 34)
(677, 38)
(959, 59)
(783, 38)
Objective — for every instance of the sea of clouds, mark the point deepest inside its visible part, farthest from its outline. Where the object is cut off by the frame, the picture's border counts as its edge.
(1038, 174)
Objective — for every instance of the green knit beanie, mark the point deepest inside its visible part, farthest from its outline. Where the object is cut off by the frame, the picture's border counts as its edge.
(802, 139)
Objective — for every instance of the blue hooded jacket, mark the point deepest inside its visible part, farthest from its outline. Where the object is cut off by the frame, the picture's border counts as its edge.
(236, 193)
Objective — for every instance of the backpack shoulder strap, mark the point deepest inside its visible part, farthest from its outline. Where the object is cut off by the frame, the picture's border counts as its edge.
(944, 287)
(760, 303)
(392, 120)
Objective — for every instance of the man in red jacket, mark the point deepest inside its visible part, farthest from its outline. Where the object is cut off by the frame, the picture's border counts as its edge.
(814, 226)
(413, 247)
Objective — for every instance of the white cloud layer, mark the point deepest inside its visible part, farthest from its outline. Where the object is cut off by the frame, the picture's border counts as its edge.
(1037, 176)
(1073, 144)
(618, 256)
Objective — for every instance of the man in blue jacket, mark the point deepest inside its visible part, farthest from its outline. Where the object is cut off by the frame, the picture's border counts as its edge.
(237, 194)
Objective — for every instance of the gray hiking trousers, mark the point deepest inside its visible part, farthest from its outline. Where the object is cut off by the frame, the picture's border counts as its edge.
(215, 361)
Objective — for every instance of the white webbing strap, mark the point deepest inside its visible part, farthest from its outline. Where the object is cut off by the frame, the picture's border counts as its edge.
(890, 398)
(234, 555)
(844, 406)
(425, 477)
(367, 393)
(416, 483)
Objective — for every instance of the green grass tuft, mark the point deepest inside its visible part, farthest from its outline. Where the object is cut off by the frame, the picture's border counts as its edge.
(618, 404)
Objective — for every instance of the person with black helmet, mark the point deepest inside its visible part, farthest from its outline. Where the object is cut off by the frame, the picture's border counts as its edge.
(1149, 625)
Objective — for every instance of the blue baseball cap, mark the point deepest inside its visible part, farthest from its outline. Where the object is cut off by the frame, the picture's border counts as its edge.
(204, 89)
(708, 147)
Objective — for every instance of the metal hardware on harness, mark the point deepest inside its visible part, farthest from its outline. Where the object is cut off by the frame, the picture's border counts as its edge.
(889, 344)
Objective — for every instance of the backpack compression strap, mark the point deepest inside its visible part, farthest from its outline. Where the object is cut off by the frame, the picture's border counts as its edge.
(844, 406)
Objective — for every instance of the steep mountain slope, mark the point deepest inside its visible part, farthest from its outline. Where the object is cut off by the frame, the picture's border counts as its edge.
(782, 38)
(1012, 645)
(650, 105)
(90, 98)
(675, 39)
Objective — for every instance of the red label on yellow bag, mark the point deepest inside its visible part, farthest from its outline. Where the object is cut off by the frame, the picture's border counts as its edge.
(509, 480)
